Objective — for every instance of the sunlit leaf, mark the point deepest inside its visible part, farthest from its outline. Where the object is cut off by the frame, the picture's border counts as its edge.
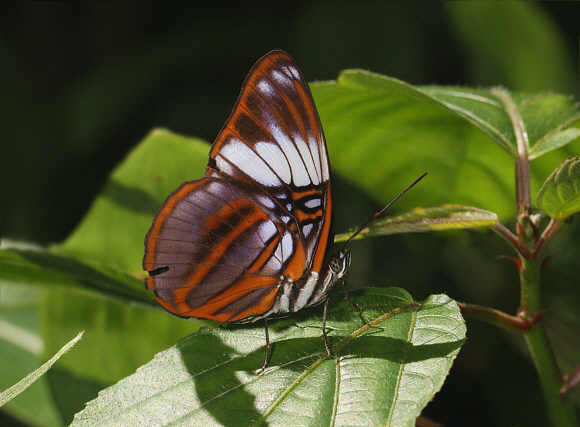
(27, 381)
(386, 370)
(543, 115)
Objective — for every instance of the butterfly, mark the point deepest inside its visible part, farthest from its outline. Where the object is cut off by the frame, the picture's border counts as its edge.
(251, 239)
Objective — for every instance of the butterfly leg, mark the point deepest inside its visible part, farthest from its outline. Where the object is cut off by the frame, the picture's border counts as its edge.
(352, 304)
(267, 359)
(324, 327)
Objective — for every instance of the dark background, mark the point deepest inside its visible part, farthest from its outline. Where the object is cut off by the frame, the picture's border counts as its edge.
(83, 83)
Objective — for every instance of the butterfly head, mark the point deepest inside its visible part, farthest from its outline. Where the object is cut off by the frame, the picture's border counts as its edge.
(339, 263)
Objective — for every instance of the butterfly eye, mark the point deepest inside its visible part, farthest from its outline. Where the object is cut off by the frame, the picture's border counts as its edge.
(339, 264)
(335, 265)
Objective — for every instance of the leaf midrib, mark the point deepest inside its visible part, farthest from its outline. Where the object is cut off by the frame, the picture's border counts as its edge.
(402, 367)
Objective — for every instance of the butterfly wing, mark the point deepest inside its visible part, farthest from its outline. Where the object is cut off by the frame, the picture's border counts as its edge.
(273, 145)
(220, 247)
(214, 253)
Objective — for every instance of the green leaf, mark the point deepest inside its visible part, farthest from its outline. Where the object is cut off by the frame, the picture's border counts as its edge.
(543, 115)
(117, 313)
(478, 106)
(384, 373)
(383, 142)
(382, 133)
(114, 229)
(27, 381)
(21, 346)
(36, 407)
(432, 218)
(554, 141)
(119, 337)
(559, 197)
(39, 267)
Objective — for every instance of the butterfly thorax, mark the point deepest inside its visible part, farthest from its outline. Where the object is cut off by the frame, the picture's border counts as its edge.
(313, 289)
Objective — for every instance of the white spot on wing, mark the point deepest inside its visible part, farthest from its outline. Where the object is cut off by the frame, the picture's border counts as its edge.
(265, 86)
(213, 187)
(294, 72)
(274, 263)
(274, 157)
(299, 173)
(249, 162)
(313, 203)
(266, 230)
(266, 201)
(313, 144)
(287, 245)
(283, 251)
(224, 166)
(307, 158)
(281, 78)
(307, 229)
(285, 298)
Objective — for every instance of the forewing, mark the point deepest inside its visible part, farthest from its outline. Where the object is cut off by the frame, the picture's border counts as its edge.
(214, 253)
(273, 147)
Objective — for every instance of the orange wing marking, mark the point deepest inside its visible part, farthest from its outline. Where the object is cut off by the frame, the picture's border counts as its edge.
(210, 310)
(155, 232)
(256, 215)
(323, 241)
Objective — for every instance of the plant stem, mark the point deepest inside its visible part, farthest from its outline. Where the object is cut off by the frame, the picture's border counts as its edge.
(549, 233)
(495, 317)
(560, 410)
(522, 159)
(509, 237)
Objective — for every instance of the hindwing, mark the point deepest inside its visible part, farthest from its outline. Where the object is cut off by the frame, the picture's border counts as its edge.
(219, 254)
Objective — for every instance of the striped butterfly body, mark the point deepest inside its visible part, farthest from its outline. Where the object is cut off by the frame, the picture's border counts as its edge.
(250, 240)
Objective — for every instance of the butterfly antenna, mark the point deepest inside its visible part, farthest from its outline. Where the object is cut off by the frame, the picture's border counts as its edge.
(377, 214)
